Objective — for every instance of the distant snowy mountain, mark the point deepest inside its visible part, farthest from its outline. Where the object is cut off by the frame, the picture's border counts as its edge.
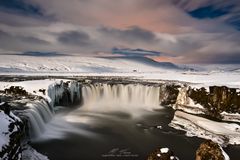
(41, 54)
(135, 52)
(78, 64)
(147, 61)
(214, 67)
(140, 56)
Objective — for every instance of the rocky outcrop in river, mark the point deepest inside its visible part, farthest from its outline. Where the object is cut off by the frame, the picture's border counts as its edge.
(209, 150)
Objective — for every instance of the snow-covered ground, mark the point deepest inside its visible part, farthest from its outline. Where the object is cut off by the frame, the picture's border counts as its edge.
(73, 64)
(125, 67)
(35, 87)
(32, 86)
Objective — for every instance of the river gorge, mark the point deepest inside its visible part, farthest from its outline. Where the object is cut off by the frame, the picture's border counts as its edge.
(107, 118)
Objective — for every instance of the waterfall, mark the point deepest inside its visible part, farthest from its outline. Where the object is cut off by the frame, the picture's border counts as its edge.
(40, 112)
(104, 97)
(96, 97)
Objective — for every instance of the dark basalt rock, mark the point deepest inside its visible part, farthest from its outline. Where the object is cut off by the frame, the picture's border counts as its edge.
(168, 94)
(219, 99)
(159, 155)
(16, 90)
(5, 107)
(209, 150)
(225, 99)
(43, 91)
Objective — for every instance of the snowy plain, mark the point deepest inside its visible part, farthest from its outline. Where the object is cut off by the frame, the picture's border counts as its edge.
(143, 68)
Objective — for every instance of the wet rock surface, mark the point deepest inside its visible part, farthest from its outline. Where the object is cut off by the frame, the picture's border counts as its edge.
(209, 150)
(169, 93)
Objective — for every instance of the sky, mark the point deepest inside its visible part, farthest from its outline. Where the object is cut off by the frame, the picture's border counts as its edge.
(185, 31)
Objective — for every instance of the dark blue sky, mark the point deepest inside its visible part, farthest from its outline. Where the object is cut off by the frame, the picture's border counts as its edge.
(20, 7)
(210, 12)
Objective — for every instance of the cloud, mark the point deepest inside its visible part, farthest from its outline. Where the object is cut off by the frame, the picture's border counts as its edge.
(20, 43)
(193, 31)
(231, 58)
(4, 36)
(19, 20)
(35, 40)
(131, 34)
(74, 38)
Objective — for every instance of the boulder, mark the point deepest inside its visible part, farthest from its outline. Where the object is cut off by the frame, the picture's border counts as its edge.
(209, 150)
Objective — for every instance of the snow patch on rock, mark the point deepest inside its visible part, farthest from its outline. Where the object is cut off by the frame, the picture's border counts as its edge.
(185, 103)
(164, 150)
(234, 117)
